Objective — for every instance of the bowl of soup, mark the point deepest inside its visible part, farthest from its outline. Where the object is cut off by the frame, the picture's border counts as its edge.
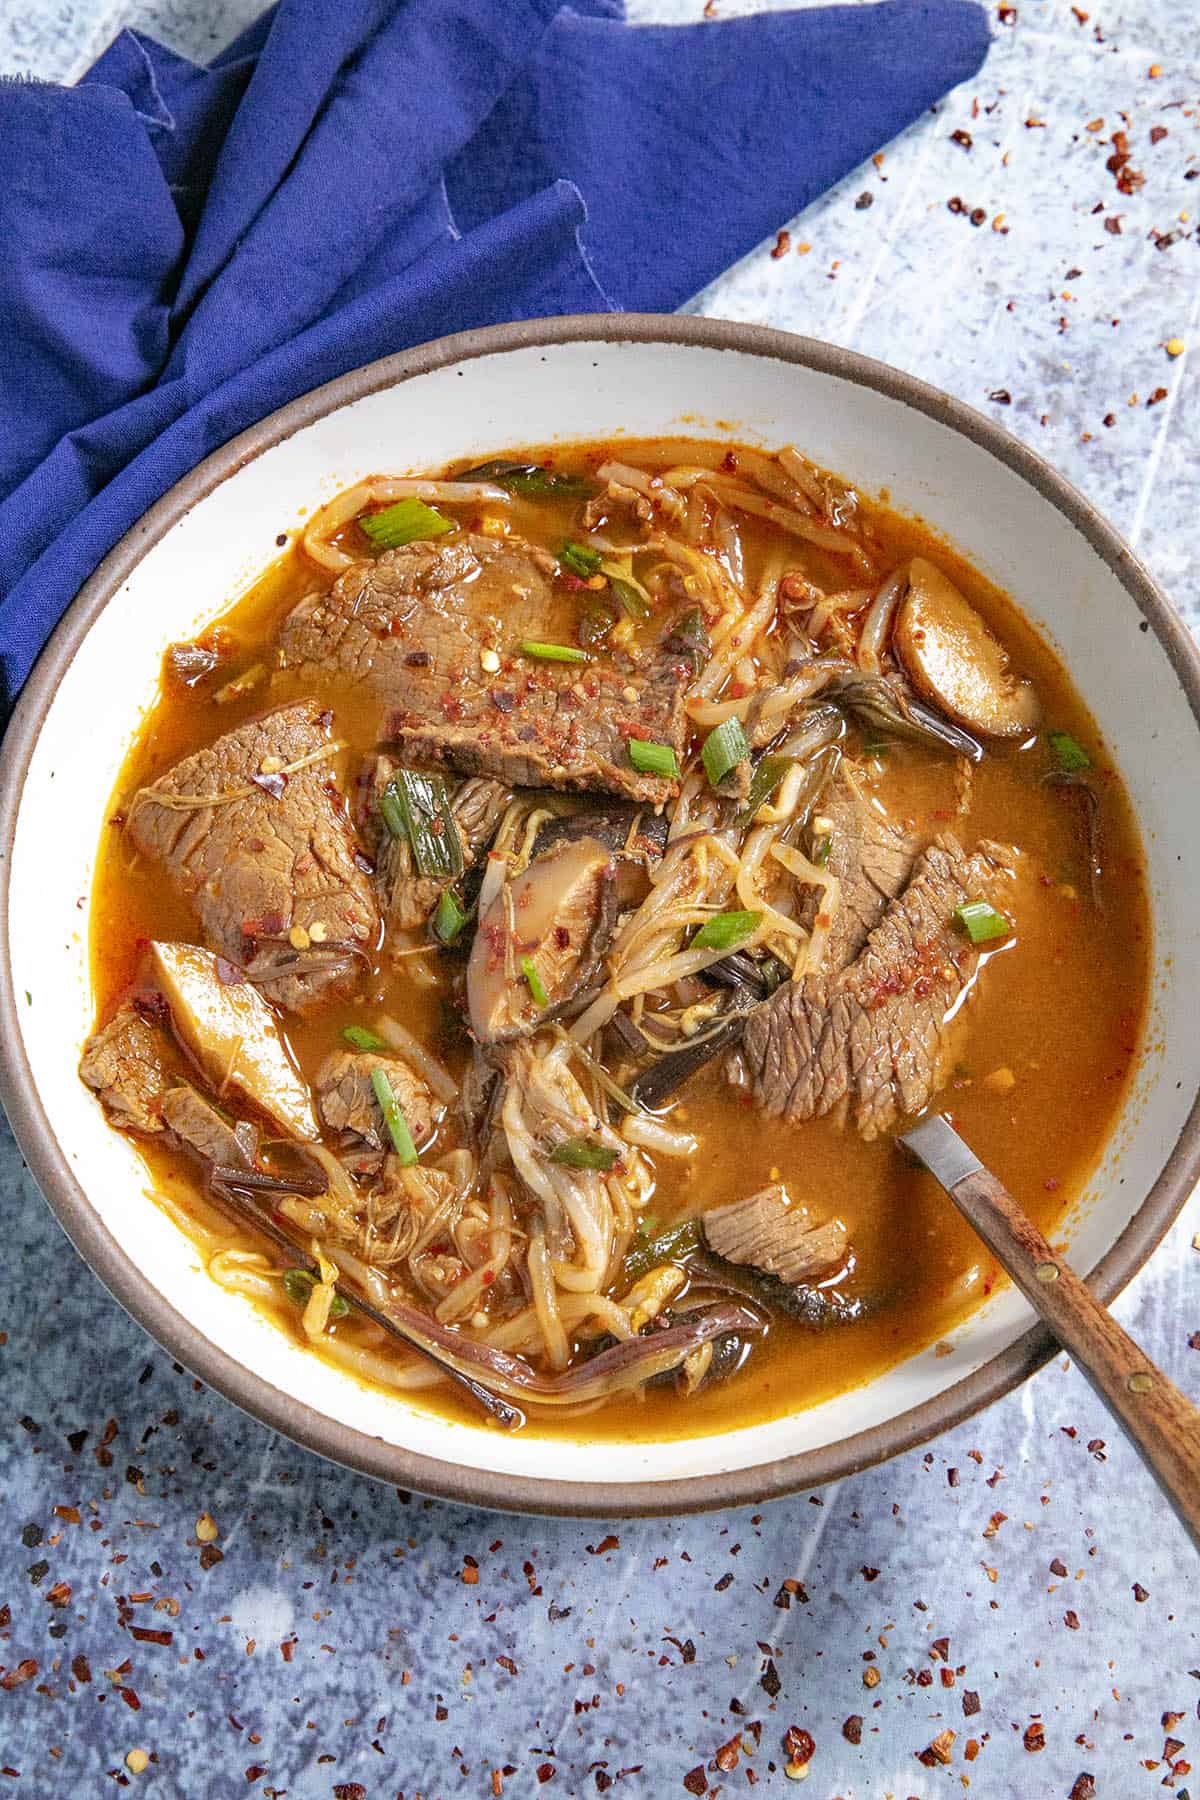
(553, 806)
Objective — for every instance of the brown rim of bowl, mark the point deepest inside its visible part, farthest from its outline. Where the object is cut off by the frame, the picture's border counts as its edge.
(342, 1443)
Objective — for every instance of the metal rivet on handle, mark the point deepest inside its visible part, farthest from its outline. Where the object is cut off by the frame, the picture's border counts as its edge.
(1047, 1272)
(1140, 1382)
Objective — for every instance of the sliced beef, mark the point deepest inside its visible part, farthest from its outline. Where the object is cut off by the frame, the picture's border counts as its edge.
(768, 1233)
(123, 1061)
(877, 1035)
(872, 859)
(413, 626)
(347, 1100)
(204, 1130)
(406, 897)
(272, 872)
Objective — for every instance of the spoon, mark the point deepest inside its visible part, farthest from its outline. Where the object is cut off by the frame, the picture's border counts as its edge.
(1164, 1425)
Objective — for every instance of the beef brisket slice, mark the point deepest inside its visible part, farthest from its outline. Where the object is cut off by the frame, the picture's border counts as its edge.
(872, 859)
(412, 626)
(878, 1032)
(123, 1062)
(279, 856)
(767, 1232)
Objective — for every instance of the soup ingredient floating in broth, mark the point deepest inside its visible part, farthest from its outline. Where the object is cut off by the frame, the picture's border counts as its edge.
(612, 850)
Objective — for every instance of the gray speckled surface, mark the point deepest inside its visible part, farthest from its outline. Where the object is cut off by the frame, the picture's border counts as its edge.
(336, 1642)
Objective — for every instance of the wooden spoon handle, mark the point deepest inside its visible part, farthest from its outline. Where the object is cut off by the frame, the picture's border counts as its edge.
(1162, 1422)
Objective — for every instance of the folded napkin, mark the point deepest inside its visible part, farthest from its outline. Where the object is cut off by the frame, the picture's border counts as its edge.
(186, 248)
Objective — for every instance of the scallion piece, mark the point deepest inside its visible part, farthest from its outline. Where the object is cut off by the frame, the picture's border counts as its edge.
(579, 1153)
(981, 921)
(821, 851)
(766, 778)
(448, 917)
(724, 749)
(404, 523)
(418, 807)
(394, 1119)
(361, 1039)
(1070, 752)
(630, 593)
(533, 979)
(653, 759)
(298, 1285)
(671, 1245)
(552, 652)
(726, 930)
(580, 559)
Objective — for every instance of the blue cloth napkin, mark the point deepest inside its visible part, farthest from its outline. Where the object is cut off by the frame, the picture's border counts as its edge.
(186, 248)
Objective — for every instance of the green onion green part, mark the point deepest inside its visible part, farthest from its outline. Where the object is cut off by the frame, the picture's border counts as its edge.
(653, 759)
(448, 917)
(580, 559)
(394, 1119)
(1070, 752)
(298, 1285)
(630, 593)
(671, 1245)
(404, 523)
(982, 922)
(821, 851)
(766, 778)
(726, 930)
(579, 1153)
(418, 807)
(552, 652)
(534, 981)
(724, 749)
(361, 1039)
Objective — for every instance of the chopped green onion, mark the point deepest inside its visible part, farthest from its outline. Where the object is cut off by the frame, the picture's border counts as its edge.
(724, 749)
(448, 917)
(298, 1285)
(981, 921)
(418, 807)
(726, 930)
(361, 1038)
(578, 1153)
(821, 851)
(532, 479)
(536, 985)
(653, 759)
(630, 593)
(580, 559)
(767, 777)
(551, 652)
(404, 523)
(671, 1245)
(1070, 752)
(394, 1119)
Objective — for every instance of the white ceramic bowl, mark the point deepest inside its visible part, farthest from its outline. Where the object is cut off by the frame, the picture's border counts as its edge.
(474, 394)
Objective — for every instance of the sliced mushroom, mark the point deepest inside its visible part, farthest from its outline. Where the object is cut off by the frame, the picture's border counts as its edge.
(954, 661)
(233, 1034)
(538, 941)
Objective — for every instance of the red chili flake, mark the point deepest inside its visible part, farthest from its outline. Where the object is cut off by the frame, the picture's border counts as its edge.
(865, 199)
(210, 1555)
(1007, 15)
(1034, 1737)
(1158, 133)
(145, 1636)
(970, 1703)
(867, 1573)
(720, 1586)
(70, 1513)
(81, 1668)
(952, 1477)
(994, 1523)
(939, 1649)
(1140, 1593)
(14, 1678)
(1071, 1619)
(938, 1751)
(59, 1594)
(256, 1771)
(799, 1744)
(349, 1790)
(696, 1781)
(769, 1680)
(129, 1696)
(1159, 394)
(1084, 1787)
(1000, 397)
(782, 245)
(956, 205)
(545, 1772)
(606, 1544)
(1171, 1748)
(852, 1728)
(962, 138)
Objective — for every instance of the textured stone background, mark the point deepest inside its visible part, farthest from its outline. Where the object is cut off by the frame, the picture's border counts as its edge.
(336, 1648)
